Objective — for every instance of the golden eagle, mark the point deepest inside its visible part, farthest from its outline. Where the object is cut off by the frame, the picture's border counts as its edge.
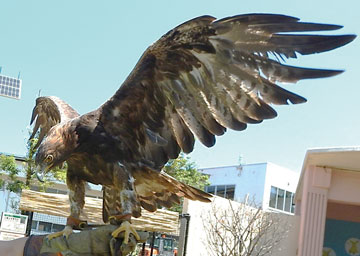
(202, 77)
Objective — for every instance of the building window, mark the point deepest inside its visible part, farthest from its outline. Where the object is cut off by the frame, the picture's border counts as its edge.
(57, 227)
(220, 190)
(226, 191)
(210, 189)
(44, 226)
(230, 192)
(51, 190)
(288, 201)
(34, 224)
(281, 199)
(273, 195)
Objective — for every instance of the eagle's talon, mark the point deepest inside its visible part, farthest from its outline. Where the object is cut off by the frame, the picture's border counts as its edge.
(66, 232)
(128, 229)
(82, 224)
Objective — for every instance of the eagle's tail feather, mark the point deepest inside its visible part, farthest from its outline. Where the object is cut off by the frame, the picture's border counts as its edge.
(153, 189)
(159, 189)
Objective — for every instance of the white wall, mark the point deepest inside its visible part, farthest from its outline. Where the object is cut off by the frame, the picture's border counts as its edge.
(248, 179)
(197, 241)
(288, 246)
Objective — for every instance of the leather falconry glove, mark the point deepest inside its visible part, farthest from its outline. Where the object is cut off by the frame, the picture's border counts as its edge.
(95, 242)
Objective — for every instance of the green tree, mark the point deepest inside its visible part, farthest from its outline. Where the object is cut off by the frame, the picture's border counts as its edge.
(30, 162)
(10, 169)
(11, 181)
(185, 170)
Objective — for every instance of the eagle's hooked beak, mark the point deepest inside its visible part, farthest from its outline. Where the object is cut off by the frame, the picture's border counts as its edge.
(40, 172)
(44, 166)
(40, 176)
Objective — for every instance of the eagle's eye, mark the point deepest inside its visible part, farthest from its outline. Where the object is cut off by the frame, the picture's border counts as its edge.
(49, 158)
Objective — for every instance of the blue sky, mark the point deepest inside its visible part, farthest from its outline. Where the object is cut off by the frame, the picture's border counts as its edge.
(81, 51)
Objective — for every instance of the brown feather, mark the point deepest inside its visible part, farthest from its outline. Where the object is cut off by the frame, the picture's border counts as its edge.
(152, 186)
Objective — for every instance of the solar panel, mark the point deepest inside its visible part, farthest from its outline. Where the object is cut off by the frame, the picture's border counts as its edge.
(10, 87)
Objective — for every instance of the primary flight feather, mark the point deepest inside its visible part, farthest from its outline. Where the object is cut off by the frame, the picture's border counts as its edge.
(202, 77)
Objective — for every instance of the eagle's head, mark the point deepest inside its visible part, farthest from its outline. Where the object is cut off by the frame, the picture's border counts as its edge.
(53, 150)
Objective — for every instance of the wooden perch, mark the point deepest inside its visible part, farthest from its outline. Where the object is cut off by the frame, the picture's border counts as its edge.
(162, 221)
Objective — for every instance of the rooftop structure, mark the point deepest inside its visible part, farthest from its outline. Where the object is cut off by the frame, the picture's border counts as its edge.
(10, 87)
(328, 202)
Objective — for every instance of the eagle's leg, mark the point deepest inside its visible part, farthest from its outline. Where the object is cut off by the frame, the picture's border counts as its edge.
(77, 202)
(129, 205)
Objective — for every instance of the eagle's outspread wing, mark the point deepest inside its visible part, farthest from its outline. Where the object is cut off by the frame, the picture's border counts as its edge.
(48, 112)
(207, 75)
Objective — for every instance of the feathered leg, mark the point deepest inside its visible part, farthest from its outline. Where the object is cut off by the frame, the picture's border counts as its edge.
(77, 202)
(128, 207)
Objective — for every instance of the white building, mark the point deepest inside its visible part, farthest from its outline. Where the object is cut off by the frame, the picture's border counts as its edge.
(271, 186)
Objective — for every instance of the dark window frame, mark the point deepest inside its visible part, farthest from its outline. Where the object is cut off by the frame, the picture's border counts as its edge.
(213, 189)
(286, 206)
